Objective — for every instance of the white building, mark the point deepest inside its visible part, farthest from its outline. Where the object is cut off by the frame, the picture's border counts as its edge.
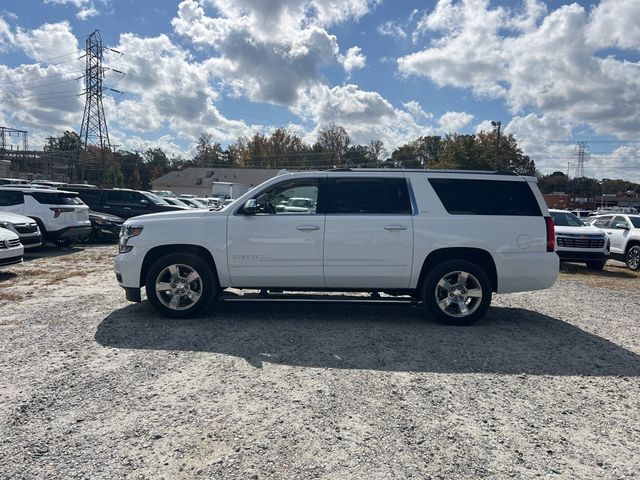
(198, 181)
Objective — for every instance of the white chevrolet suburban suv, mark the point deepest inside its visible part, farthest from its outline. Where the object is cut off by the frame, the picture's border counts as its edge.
(448, 238)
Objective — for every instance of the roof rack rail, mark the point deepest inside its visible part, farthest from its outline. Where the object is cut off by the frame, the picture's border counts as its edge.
(436, 170)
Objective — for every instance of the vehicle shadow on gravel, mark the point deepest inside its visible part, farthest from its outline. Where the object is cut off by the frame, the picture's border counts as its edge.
(374, 337)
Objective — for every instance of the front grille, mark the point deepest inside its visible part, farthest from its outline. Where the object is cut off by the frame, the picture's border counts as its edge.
(26, 228)
(12, 243)
(580, 242)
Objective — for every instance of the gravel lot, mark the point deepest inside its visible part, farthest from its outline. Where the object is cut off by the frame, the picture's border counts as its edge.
(91, 386)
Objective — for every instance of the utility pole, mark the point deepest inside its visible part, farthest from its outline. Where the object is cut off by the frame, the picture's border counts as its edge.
(497, 125)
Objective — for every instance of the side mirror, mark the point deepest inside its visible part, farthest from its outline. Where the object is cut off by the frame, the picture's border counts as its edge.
(144, 203)
(621, 226)
(250, 207)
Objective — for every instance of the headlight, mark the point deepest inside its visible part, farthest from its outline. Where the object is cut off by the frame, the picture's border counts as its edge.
(4, 225)
(126, 233)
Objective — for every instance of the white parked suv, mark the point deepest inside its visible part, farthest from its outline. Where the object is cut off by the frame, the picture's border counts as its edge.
(11, 249)
(61, 216)
(624, 232)
(448, 238)
(577, 242)
(24, 227)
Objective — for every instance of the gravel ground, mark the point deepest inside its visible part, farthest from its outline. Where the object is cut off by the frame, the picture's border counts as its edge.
(91, 386)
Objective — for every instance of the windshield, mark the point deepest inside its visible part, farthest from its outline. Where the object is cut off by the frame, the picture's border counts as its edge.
(566, 219)
(154, 198)
(635, 221)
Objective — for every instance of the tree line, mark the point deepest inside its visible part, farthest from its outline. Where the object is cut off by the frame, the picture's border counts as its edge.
(333, 147)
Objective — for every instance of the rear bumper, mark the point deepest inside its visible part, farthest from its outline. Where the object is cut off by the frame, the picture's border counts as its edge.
(69, 233)
(522, 272)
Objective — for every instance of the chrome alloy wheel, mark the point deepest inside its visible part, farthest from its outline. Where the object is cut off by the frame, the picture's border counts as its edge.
(179, 287)
(633, 258)
(458, 294)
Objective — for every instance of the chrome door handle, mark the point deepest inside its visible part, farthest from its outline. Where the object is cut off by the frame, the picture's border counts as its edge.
(395, 227)
(305, 228)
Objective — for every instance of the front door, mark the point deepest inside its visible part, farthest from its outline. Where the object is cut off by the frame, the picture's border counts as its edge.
(282, 244)
(368, 232)
(618, 233)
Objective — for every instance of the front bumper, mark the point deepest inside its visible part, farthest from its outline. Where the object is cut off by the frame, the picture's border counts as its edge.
(31, 241)
(11, 260)
(582, 256)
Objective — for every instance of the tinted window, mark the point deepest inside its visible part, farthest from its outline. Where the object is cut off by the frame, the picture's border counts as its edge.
(367, 195)
(123, 196)
(566, 219)
(635, 221)
(8, 198)
(56, 198)
(602, 222)
(90, 197)
(486, 197)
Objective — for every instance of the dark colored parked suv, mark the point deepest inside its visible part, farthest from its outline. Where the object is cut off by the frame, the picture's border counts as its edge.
(123, 203)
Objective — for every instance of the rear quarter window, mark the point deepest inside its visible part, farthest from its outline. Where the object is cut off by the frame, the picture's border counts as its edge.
(486, 197)
(56, 198)
(8, 198)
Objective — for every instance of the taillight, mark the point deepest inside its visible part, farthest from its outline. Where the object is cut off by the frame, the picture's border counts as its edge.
(58, 210)
(551, 235)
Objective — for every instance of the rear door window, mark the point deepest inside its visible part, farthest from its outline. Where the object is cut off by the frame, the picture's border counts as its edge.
(366, 196)
(486, 197)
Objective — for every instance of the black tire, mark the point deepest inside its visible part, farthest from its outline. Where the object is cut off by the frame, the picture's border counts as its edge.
(452, 314)
(632, 258)
(64, 242)
(596, 265)
(86, 238)
(206, 286)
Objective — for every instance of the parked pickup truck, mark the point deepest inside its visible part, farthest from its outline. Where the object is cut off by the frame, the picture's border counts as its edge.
(122, 202)
(447, 238)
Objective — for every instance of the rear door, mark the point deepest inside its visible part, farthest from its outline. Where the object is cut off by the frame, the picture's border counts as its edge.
(368, 231)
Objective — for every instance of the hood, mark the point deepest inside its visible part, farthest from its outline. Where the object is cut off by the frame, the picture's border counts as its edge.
(172, 215)
(15, 218)
(105, 216)
(7, 235)
(586, 230)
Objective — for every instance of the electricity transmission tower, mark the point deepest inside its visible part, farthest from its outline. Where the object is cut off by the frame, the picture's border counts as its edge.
(582, 156)
(94, 124)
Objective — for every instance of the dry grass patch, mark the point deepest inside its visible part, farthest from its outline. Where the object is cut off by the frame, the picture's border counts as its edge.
(614, 275)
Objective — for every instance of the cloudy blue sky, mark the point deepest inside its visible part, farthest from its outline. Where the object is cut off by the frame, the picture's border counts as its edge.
(553, 73)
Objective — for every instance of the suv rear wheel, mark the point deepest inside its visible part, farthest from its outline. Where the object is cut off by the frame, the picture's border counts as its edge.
(180, 285)
(457, 292)
(633, 258)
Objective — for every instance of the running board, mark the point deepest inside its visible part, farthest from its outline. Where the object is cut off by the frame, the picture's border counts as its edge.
(298, 298)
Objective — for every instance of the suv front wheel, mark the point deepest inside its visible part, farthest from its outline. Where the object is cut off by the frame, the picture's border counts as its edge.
(180, 285)
(633, 258)
(457, 292)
